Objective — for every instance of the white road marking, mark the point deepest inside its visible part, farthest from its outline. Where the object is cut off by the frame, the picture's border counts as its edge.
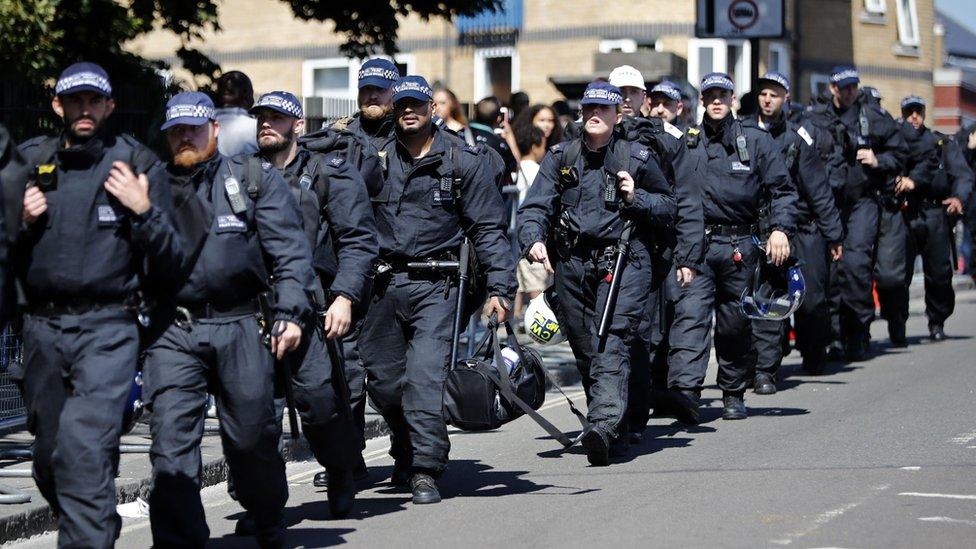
(964, 438)
(913, 468)
(820, 520)
(947, 496)
(948, 520)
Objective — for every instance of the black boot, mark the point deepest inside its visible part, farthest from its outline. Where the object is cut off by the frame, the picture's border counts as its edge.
(734, 406)
(835, 353)
(936, 332)
(764, 384)
(857, 348)
(424, 489)
(271, 537)
(401, 475)
(342, 492)
(321, 479)
(813, 361)
(597, 446)
(896, 333)
(685, 405)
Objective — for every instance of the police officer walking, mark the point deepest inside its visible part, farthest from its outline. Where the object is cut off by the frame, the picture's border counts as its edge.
(95, 211)
(817, 241)
(676, 255)
(338, 220)
(437, 193)
(665, 103)
(935, 185)
(870, 150)
(215, 340)
(596, 198)
(741, 163)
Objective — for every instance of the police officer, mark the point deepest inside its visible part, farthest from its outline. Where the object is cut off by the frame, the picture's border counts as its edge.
(95, 210)
(338, 220)
(437, 192)
(664, 102)
(869, 148)
(215, 340)
(891, 271)
(932, 201)
(596, 197)
(818, 238)
(965, 140)
(677, 255)
(375, 100)
(740, 164)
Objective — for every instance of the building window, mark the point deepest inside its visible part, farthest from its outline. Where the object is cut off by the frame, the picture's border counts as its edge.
(332, 77)
(874, 6)
(336, 77)
(496, 73)
(819, 84)
(623, 45)
(717, 55)
(908, 33)
(779, 59)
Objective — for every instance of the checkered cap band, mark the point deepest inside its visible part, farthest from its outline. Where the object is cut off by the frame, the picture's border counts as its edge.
(603, 94)
(83, 79)
(671, 92)
(190, 111)
(380, 72)
(280, 103)
(410, 85)
(844, 75)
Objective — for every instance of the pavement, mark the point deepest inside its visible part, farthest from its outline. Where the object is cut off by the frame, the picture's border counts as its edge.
(878, 453)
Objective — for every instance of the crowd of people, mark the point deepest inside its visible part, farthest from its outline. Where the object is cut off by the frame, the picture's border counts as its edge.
(262, 262)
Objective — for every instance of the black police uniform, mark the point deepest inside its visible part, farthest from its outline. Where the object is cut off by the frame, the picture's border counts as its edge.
(818, 225)
(405, 342)
(378, 131)
(852, 301)
(891, 269)
(682, 247)
(969, 212)
(733, 183)
(569, 213)
(215, 343)
(343, 254)
(79, 266)
(355, 147)
(939, 171)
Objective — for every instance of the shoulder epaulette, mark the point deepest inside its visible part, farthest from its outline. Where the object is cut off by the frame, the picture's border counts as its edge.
(672, 130)
(802, 132)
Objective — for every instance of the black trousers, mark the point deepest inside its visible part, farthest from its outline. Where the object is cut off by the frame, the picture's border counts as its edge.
(811, 321)
(648, 354)
(926, 231)
(851, 279)
(405, 347)
(717, 289)
(581, 291)
(322, 403)
(226, 356)
(891, 269)
(75, 379)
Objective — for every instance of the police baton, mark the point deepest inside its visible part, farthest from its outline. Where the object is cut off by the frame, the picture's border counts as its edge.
(464, 274)
(282, 367)
(620, 260)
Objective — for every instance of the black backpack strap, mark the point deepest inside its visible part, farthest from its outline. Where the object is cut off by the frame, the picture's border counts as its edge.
(254, 176)
(504, 385)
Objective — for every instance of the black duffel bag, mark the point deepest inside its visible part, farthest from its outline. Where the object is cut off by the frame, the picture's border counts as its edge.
(477, 398)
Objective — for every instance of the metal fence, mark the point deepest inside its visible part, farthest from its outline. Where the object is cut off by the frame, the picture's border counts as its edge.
(11, 353)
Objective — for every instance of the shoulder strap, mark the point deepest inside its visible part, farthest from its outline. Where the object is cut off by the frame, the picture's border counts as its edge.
(571, 153)
(504, 384)
(254, 176)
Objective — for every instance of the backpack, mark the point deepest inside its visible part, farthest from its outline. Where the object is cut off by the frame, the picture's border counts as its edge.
(484, 392)
(353, 148)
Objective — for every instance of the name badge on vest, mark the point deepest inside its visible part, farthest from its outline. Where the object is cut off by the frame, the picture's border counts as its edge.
(230, 224)
(107, 217)
(740, 167)
(444, 191)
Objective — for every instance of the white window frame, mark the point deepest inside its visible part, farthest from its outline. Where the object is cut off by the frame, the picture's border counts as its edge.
(818, 78)
(908, 35)
(720, 59)
(310, 65)
(783, 50)
(482, 88)
(625, 45)
(308, 74)
(877, 7)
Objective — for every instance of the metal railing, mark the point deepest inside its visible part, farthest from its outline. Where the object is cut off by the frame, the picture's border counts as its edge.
(12, 410)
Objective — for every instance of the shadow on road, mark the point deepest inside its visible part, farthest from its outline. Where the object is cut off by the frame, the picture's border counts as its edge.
(470, 478)
(296, 537)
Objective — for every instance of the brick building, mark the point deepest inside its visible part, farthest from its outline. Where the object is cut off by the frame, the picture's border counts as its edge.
(547, 47)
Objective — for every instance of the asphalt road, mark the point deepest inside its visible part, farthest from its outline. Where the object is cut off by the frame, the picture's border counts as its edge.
(875, 454)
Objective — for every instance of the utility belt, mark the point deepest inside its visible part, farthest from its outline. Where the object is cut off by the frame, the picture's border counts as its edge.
(447, 262)
(187, 314)
(891, 202)
(741, 231)
(78, 306)
(929, 203)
